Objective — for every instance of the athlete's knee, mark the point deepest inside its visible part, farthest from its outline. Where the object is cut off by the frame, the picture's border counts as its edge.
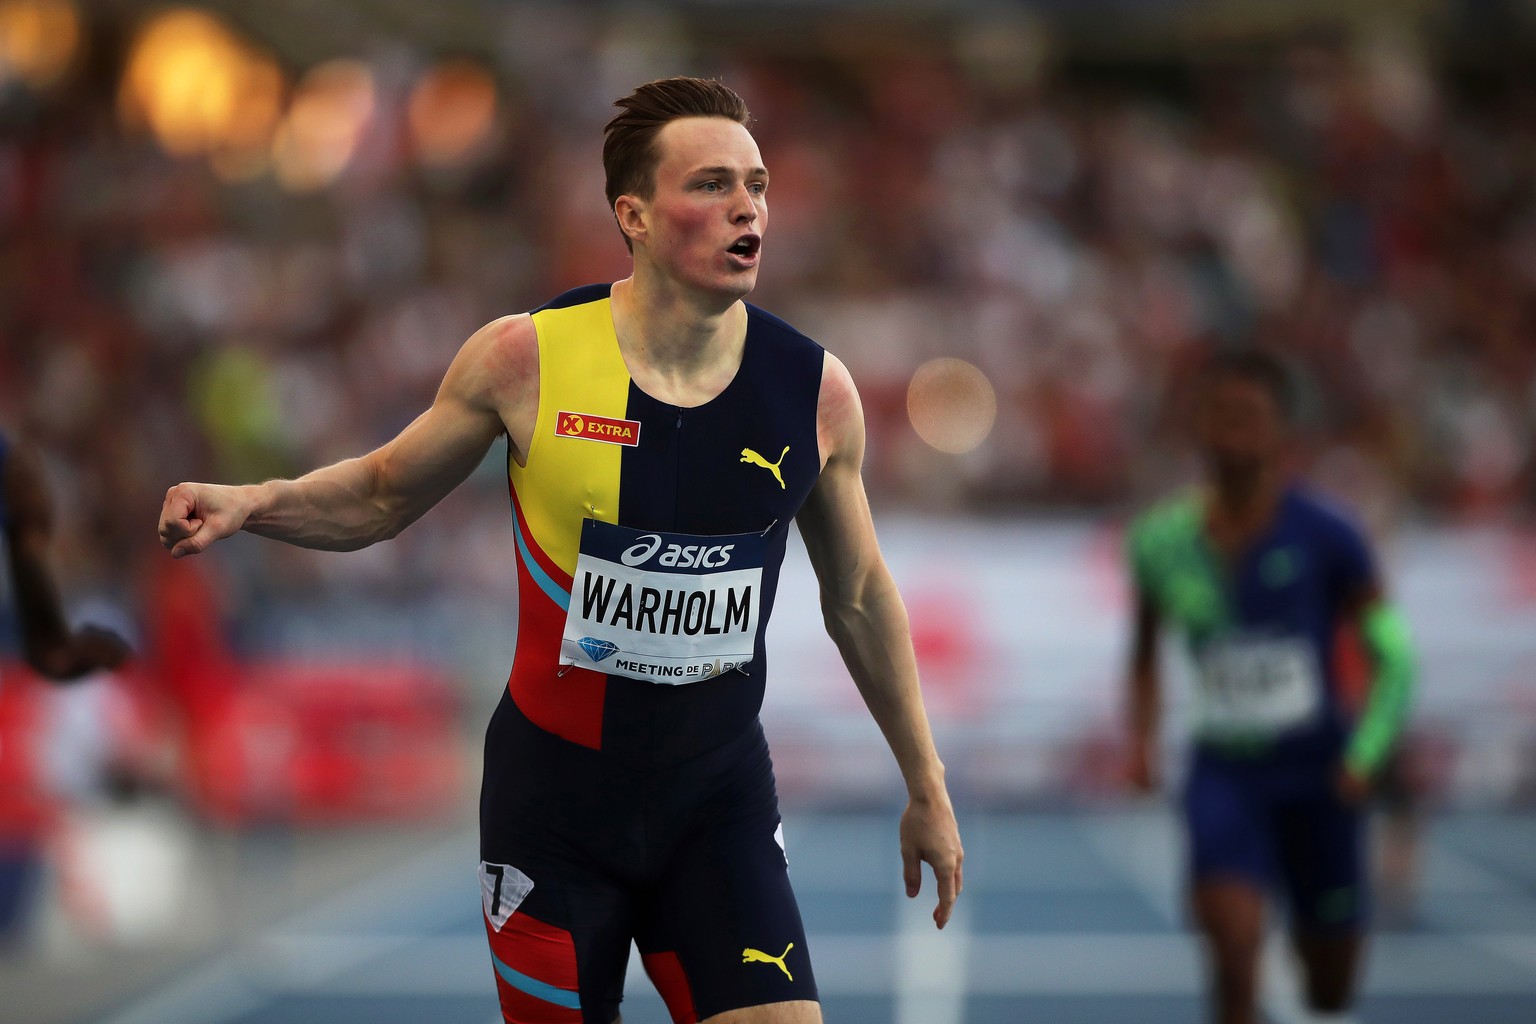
(1234, 956)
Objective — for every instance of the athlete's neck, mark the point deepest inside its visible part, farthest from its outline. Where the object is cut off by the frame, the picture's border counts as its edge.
(1243, 501)
(678, 348)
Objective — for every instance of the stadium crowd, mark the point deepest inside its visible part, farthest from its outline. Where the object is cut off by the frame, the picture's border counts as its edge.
(969, 191)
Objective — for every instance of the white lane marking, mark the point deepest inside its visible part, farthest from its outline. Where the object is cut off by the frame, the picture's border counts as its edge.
(930, 964)
(1280, 982)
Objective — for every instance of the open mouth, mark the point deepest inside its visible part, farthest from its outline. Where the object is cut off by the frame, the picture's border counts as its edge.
(746, 246)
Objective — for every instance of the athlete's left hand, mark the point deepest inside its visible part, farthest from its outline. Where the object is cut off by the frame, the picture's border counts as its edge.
(1353, 787)
(930, 833)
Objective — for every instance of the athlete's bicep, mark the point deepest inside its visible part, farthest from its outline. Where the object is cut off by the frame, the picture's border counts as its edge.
(488, 382)
(838, 531)
(835, 521)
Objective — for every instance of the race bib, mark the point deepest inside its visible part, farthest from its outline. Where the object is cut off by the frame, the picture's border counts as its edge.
(663, 607)
(1257, 685)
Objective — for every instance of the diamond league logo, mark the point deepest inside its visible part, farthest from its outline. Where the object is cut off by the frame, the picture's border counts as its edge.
(597, 649)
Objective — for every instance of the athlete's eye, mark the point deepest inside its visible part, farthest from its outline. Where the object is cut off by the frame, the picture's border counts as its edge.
(758, 188)
(710, 186)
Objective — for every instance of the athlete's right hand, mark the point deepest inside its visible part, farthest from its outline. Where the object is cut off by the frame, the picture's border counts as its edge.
(196, 515)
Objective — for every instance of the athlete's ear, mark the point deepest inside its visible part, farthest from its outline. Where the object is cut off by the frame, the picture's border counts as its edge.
(630, 212)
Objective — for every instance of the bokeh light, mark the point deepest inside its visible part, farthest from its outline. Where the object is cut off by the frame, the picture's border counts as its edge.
(199, 87)
(38, 40)
(331, 107)
(451, 112)
(952, 405)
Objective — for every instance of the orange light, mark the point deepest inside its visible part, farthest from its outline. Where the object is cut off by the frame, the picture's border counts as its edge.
(38, 40)
(331, 108)
(200, 88)
(451, 111)
(951, 405)
(245, 150)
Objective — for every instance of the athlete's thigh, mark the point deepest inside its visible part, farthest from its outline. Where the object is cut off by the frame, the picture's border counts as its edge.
(1230, 828)
(722, 931)
(1323, 862)
(559, 941)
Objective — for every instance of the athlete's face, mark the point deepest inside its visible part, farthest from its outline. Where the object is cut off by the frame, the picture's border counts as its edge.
(1241, 424)
(704, 222)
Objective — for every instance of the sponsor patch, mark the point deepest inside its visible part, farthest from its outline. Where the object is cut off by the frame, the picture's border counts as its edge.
(597, 428)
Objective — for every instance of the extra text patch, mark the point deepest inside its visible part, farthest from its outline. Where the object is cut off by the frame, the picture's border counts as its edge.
(597, 428)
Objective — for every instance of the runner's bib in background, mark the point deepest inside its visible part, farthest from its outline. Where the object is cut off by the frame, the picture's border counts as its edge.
(663, 607)
(1257, 685)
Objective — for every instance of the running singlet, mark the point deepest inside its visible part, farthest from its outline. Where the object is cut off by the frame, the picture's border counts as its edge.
(1261, 631)
(649, 537)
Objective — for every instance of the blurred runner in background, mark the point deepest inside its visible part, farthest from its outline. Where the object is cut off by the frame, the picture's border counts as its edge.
(52, 649)
(1259, 576)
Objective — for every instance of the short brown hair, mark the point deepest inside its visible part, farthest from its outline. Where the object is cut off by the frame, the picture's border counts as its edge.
(629, 140)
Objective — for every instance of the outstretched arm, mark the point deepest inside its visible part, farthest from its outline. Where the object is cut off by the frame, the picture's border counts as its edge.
(49, 645)
(867, 619)
(491, 387)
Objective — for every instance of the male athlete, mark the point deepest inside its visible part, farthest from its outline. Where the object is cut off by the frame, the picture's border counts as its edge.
(662, 435)
(1260, 576)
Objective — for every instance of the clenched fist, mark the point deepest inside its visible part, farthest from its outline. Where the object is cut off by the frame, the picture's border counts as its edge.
(196, 515)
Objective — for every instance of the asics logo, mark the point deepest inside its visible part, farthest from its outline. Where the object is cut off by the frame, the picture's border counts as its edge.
(757, 956)
(748, 455)
(677, 556)
(642, 551)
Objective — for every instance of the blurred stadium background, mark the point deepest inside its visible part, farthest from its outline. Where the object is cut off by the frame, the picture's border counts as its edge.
(244, 239)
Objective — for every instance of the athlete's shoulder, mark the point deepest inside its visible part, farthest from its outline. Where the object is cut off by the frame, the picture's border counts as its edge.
(779, 331)
(1321, 513)
(578, 296)
(1176, 517)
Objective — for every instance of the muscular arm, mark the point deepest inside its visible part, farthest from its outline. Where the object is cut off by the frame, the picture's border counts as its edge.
(491, 387)
(48, 644)
(867, 620)
(1145, 694)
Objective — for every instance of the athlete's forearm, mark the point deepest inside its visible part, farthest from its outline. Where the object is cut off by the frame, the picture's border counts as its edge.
(337, 508)
(1145, 702)
(1390, 643)
(873, 634)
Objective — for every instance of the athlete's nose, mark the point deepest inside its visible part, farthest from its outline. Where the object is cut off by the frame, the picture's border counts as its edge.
(745, 210)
